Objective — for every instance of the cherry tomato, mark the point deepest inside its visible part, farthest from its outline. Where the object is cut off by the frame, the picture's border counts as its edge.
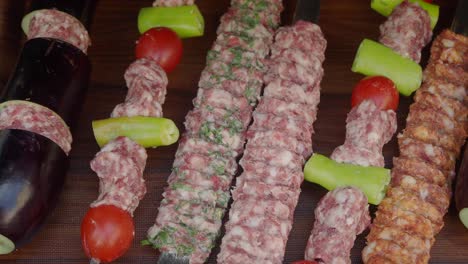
(305, 262)
(377, 88)
(162, 45)
(106, 232)
(428, 1)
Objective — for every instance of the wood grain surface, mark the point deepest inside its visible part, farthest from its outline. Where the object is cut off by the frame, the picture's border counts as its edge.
(114, 31)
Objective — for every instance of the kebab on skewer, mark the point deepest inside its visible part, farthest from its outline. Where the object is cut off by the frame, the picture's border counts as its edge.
(107, 229)
(279, 141)
(411, 215)
(190, 215)
(368, 128)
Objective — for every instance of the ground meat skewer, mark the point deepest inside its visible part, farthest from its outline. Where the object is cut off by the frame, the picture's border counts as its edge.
(407, 30)
(411, 215)
(121, 162)
(279, 141)
(340, 216)
(368, 129)
(190, 215)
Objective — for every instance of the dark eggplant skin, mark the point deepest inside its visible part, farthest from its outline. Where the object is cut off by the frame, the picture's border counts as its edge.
(32, 173)
(54, 74)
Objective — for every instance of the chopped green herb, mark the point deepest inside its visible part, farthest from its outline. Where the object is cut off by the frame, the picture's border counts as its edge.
(238, 54)
(192, 232)
(250, 95)
(184, 250)
(181, 186)
(182, 204)
(215, 154)
(209, 108)
(218, 213)
(212, 55)
(208, 132)
(163, 238)
(145, 242)
(223, 199)
(250, 19)
(219, 168)
(234, 126)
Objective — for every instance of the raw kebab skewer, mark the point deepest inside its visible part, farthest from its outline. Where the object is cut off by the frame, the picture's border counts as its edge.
(279, 141)
(121, 162)
(368, 128)
(411, 215)
(190, 215)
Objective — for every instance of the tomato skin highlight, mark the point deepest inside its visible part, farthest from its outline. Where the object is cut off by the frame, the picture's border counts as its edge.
(106, 232)
(380, 89)
(161, 45)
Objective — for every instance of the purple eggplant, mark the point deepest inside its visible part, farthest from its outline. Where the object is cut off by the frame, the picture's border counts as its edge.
(32, 170)
(54, 74)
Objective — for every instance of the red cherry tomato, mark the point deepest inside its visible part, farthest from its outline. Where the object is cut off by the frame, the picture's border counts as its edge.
(305, 262)
(106, 233)
(377, 88)
(428, 1)
(162, 45)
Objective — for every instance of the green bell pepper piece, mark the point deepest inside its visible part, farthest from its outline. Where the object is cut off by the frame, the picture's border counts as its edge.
(372, 181)
(373, 58)
(385, 8)
(146, 131)
(186, 21)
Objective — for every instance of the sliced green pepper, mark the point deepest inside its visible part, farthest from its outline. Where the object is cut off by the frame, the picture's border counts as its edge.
(186, 21)
(385, 8)
(373, 58)
(373, 181)
(146, 131)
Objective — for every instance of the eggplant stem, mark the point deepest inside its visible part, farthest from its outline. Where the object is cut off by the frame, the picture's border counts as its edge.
(94, 261)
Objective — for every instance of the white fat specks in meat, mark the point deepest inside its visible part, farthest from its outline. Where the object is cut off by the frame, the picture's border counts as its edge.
(38, 119)
(146, 82)
(207, 164)
(274, 157)
(271, 174)
(278, 143)
(221, 99)
(229, 88)
(278, 139)
(291, 92)
(234, 26)
(306, 112)
(407, 30)
(259, 46)
(51, 23)
(293, 72)
(296, 128)
(368, 129)
(340, 216)
(120, 165)
(254, 243)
